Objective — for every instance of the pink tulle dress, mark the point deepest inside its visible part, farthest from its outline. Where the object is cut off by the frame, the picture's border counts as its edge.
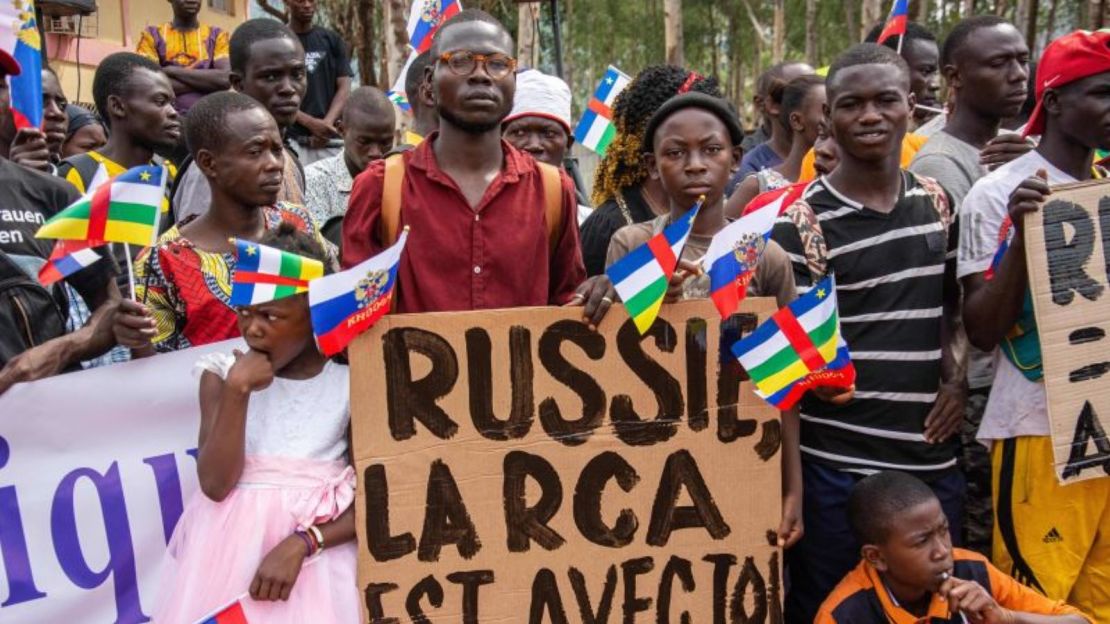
(296, 474)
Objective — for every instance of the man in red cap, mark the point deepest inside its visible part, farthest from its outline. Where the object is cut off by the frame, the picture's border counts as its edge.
(1052, 538)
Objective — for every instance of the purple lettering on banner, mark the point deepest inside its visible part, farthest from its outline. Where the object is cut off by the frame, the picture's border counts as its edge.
(169, 490)
(121, 552)
(13, 543)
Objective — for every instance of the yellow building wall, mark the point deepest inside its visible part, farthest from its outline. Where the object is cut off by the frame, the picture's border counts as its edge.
(119, 23)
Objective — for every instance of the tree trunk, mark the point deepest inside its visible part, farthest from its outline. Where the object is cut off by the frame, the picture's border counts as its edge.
(1050, 27)
(1030, 22)
(811, 32)
(715, 50)
(871, 13)
(1096, 13)
(568, 43)
(526, 48)
(396, 39)
(849, 14)
(672, 32)
(778, 40)
(967, 9)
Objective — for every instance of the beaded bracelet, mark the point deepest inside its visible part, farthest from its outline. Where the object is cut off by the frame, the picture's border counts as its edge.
(318, 535)
(307, 542)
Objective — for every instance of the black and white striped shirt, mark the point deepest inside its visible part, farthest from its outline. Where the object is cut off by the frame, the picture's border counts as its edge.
(890, 274)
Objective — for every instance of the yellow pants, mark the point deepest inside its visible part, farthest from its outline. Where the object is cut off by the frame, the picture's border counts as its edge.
(1053, 538)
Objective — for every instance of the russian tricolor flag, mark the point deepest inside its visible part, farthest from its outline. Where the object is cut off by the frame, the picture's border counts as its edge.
(230, 614)
(343, 305)
(1003, 244)
(896, 21)
(425, 17)
(68, 257)
(734, 252)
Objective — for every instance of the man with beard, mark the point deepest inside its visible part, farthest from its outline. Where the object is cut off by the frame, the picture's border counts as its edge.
(481, 211)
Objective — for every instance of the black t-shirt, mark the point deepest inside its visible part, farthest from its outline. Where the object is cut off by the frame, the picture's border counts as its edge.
(605, 221)
(325, 59)
(28, 199)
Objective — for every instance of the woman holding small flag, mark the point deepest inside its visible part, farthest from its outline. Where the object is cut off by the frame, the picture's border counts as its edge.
(691, 148)
(275, 475)
(624, 193)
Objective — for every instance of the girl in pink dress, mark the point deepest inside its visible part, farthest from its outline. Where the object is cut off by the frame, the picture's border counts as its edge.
(273, 518)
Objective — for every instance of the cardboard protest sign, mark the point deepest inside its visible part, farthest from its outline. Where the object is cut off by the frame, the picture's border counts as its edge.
(1068, 254)
(515, 466)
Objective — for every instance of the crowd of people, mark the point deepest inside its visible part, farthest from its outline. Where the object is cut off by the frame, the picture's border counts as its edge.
(943, 443)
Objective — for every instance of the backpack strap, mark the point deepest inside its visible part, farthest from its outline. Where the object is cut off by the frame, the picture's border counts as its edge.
(553, 204)
(391, 198)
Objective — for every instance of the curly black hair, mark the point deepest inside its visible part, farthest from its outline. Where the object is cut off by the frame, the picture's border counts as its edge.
(206, 125)
(962, 31)
(622, 165)
(113, 77)
(251, 32)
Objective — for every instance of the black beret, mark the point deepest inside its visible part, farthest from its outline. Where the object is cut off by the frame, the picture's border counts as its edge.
(715, 105)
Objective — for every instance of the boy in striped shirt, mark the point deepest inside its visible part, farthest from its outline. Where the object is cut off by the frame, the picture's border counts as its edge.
(888, 236)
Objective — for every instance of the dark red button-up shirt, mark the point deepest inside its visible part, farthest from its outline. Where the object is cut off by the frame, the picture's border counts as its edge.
(495, 255)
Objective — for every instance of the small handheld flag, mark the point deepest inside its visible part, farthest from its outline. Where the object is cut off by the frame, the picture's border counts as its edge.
(425, 18)
(67, 258)
(896, 23)
(1004, 235)
(263, 273)
(734, 252)
(344, 305)
(798, 348)
(400, 101)
(230, 614)
(19, 36)
(641, 277)
(126, 209)
(596, 130)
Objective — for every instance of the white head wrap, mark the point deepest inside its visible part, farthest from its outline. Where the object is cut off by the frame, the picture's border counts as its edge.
(540, 95)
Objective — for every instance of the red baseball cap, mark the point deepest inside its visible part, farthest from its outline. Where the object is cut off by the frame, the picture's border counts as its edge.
(1070, 58)
(8, 64)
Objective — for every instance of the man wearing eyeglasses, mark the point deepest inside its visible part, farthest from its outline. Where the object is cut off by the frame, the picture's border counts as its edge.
(483, 234)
